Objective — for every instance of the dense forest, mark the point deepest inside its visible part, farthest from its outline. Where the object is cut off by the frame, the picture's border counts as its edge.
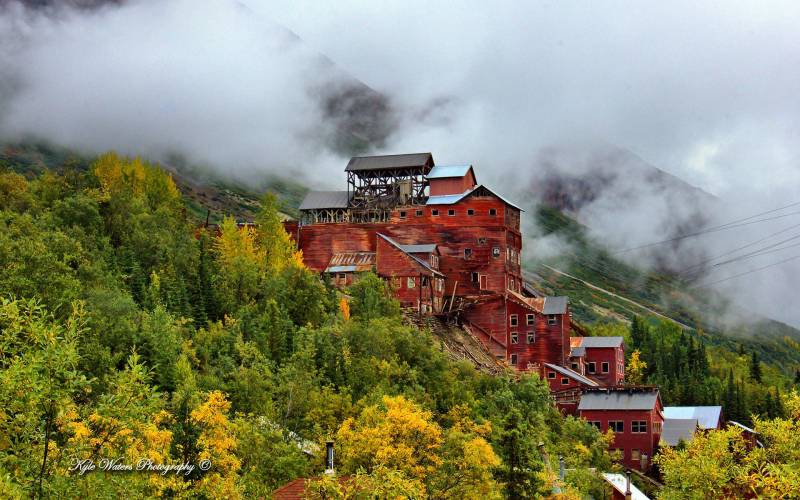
(131, 334)
(212, 359)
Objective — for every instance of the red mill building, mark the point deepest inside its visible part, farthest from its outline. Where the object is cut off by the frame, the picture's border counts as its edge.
(448, 245)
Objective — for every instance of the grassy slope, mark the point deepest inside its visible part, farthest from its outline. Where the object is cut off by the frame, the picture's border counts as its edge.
(778, 343)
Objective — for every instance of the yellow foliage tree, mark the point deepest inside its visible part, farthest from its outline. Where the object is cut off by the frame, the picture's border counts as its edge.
(217, 444)
(118, 175)
(634, 372)
(279, 249)
(397, 440)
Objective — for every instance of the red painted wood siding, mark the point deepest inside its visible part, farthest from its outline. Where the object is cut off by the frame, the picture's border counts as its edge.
(627, 440)
(401, 270)
(452, 185)
(615, 357)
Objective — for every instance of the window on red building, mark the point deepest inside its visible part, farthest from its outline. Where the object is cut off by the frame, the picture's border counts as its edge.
(513, 359)
(470, 211)
(424, 281)
(639, 426)
(467, 253)
(496, 252)
(574, 367)
(419, 213)
(435, 213)
(514, 338)
(402, 214)
(551, 374)
(552, 319)
(604, 367)
(590, 367)
(410, 282)
(451, 212)
(616, 425)
(636, 455)
(492, 211)
(657, 427)
(530, 320)
(564, 381)
(513, 320)
(531, 337)
(595, 423)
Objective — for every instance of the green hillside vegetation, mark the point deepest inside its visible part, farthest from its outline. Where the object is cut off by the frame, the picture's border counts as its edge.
(127, 332)
(671, 352)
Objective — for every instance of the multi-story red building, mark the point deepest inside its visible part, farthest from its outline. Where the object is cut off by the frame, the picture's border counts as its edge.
(634, 414)
(448, 245)
(601, 358)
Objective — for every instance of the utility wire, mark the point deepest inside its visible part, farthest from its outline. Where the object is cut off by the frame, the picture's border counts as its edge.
(690, 269)
(721, 227)
(749, 272)
(756, 253)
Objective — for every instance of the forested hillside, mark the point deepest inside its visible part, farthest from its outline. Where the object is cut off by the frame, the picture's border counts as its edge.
(744, 368)
(128, 332)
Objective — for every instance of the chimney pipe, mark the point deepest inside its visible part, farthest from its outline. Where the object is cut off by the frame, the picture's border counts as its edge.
(628, 494)
(329, 457)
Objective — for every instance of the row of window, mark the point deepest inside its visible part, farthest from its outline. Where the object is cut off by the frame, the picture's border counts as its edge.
(619, 454)
(530, 320)
(451, 212)
(552, 375)
(591, 367)
(411, 282)
(531, 337)
(618, 426)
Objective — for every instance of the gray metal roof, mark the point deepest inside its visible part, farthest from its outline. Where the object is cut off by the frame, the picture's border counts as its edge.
(386, 162)
(620, 483)
(427, 248)
(707, 416)
(324, 199)
(677, 429)
(598, 342)
(555, 305)
(572, 374)
(448, 199)
(446, 171)
(577, 352)
(618, 400)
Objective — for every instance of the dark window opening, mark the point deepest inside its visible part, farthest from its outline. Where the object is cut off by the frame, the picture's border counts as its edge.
(514, 338)
(531, 338)
(530, 319)
(402, 214)
(470, 211)
(513, 359)
(496, 252)
(467, 253)
(604, 367)
(564, 381)
(474, 277)
(435, 213)
(513, 320)
(590, 367)
(481, 241)
(551, 319)
(492, 211)
(451, 212)
(419, 213)
(616, 425)
(551, 374)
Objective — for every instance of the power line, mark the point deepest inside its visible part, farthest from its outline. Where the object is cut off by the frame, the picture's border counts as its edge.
(721, 227)
(760, 251)
(749, 272)
(690, 269)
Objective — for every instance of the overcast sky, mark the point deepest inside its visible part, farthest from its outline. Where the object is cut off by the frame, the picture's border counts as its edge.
(708, 92)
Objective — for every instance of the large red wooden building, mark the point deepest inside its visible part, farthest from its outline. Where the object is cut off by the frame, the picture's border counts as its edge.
(452, 247)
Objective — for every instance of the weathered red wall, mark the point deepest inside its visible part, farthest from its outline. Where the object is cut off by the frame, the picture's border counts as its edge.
(627, 441)
(613, 356)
